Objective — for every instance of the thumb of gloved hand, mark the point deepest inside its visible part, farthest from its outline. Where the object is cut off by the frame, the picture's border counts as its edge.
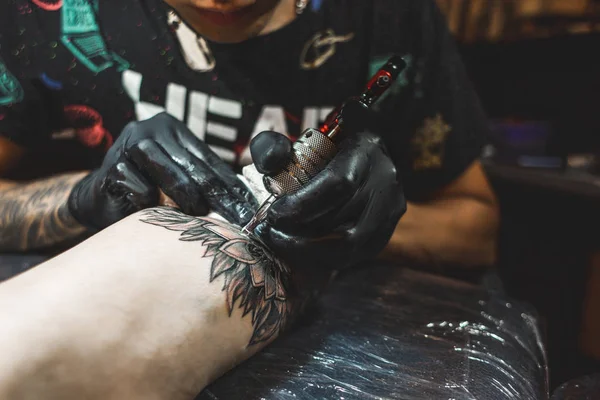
(270, 152)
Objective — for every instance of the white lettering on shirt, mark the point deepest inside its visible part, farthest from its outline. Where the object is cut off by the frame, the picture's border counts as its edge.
(201, 106)
(132, 82)
(197, 114)
(175, 101)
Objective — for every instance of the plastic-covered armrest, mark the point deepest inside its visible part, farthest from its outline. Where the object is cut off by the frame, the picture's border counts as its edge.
(383, 332)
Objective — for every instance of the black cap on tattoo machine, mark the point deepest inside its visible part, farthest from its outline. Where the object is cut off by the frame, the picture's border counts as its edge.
(316, 148)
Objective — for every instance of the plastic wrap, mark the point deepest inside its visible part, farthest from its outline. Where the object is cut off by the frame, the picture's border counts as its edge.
(391, 333)
(583, 388)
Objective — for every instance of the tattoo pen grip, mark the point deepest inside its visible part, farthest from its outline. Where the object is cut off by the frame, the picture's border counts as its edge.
(316, 147)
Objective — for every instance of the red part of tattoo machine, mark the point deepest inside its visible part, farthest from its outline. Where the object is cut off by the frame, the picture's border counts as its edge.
(316, 147)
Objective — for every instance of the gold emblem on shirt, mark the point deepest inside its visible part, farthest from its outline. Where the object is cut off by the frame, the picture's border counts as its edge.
(428, 143)
(321, 48)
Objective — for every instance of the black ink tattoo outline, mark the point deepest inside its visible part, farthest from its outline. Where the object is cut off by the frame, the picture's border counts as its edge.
(253, 278)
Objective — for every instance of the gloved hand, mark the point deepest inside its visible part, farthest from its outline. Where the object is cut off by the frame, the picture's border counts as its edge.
(344, 215)
(159, 153)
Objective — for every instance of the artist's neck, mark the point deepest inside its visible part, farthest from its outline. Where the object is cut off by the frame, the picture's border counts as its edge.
(283, 14)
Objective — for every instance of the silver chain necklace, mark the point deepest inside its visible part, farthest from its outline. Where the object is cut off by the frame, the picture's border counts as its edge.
(300, 6)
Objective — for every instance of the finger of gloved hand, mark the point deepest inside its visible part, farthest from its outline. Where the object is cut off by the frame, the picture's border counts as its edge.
(221, 192)
(201, 151)
(154, 162)
(116, 150)
(314, 207)
(377, 222)
(311, 267)
(317, 204)
(220, 199)
(355, 116)
(306, 252)
(270, 151)
(124, 179)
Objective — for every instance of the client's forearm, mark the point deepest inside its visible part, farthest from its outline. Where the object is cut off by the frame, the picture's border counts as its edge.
(156, 306)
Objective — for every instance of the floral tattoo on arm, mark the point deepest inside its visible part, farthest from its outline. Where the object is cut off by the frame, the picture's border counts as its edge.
(254, 280)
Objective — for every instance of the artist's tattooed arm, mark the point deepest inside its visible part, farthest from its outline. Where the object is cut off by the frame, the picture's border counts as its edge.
(35, 215)
(253, 279)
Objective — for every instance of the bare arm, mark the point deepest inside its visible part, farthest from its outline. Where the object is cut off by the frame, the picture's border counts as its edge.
(154, 307)
(458, 226)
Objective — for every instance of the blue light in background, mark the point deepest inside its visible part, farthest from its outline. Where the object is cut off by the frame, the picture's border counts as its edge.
(51, 83)
(316, 5)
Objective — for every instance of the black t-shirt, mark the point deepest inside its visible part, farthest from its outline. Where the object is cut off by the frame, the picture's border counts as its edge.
(73, 73)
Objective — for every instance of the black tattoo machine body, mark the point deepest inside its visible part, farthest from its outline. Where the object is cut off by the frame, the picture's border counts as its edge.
(316, 147)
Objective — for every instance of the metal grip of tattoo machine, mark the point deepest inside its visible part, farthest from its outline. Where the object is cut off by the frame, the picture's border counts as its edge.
(316, 147)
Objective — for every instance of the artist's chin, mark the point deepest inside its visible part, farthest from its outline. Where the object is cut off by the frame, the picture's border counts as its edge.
(226, 27)
(219, 34)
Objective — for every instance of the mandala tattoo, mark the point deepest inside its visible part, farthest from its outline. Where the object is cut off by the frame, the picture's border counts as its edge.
(253, 279)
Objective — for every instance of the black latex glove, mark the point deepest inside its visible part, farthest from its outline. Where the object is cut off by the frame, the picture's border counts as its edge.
(160, 153)
(344, 215)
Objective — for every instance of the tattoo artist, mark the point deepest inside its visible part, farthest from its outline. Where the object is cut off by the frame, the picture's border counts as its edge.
(430, 133)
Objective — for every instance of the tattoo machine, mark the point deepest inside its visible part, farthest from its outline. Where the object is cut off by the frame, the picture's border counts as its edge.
(315, 148)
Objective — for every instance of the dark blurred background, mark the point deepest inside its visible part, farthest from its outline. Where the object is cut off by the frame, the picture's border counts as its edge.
(535, 67)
